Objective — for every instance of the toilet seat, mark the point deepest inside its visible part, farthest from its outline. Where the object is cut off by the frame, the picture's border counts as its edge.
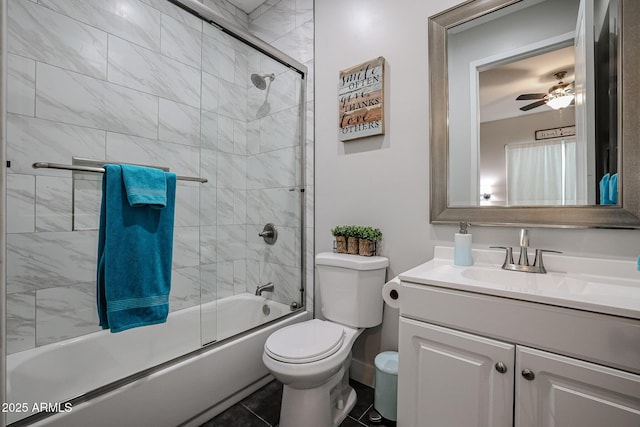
(305, 342)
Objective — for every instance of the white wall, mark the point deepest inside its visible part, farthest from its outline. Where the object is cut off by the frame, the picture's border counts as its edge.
(384, 181)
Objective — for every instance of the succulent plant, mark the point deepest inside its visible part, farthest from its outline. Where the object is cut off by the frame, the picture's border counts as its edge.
(370, 233)
(339, 230)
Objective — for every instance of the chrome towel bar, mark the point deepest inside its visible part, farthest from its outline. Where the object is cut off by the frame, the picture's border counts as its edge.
(38, 165)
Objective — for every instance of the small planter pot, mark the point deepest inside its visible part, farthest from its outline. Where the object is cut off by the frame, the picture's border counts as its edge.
(367, 247)
(352, 245)
(341, 244)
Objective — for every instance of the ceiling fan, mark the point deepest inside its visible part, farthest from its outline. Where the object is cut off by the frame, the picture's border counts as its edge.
(559, 96)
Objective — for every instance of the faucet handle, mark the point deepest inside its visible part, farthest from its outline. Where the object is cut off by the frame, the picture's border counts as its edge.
(538, 263)
(508, 256)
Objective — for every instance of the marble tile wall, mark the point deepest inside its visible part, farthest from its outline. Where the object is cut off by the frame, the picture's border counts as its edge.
(145, 82)
(122, 80)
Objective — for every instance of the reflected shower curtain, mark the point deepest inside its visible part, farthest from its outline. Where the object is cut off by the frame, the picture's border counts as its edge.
(542, 172)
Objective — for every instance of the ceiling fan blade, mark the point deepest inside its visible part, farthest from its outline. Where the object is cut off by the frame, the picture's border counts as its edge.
(529, 96)
(533, 105)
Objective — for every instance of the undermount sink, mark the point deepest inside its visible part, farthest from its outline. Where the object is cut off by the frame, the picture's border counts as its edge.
(603, 286)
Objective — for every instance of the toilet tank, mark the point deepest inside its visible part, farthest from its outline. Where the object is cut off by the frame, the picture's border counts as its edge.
(351, 288)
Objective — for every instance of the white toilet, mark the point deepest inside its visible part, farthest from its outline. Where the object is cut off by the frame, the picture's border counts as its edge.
(312, 358)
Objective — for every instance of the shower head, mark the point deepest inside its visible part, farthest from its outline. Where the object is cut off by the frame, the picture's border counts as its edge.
(260, 82)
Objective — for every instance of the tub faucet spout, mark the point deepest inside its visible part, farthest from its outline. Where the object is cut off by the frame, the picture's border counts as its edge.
(264, 288)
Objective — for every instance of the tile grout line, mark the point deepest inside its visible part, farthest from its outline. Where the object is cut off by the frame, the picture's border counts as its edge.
(365, 412)
(256, 415)
(357, 421)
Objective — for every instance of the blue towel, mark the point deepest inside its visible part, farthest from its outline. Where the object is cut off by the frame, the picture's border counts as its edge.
(613, 189)
(135, 248)
(604, 190)
(145, 186)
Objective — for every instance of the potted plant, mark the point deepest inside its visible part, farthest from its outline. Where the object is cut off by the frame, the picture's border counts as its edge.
(369, 237)
(353, 238)
(340, 233)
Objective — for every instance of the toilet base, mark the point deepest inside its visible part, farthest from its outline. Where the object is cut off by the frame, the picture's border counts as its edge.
(324, 406)
(350, 399)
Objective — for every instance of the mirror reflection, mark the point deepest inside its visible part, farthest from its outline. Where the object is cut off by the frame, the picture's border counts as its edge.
(533, 106)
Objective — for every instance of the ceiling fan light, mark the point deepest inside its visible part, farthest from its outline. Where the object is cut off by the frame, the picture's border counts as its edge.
(562, 101)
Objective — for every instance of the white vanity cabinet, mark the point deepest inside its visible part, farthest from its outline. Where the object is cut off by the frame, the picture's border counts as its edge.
(451, 378)
(567, 392)
(468, 359)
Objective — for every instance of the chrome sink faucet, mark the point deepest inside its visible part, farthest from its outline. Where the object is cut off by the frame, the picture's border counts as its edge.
(268, 287)
(523, 260)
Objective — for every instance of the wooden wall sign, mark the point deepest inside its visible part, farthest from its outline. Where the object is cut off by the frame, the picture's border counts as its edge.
(361, 100)
(555, 132)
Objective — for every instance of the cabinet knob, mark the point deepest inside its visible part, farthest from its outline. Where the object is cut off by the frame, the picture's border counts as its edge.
(501, 367)
(528, 374)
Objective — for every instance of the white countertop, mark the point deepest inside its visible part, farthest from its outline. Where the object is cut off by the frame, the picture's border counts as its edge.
(597, 285)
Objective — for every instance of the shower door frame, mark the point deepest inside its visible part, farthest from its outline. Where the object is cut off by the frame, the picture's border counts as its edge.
(3, 187)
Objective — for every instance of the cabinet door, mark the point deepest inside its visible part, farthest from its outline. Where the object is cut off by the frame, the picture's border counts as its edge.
(449, 378)
(565, 392)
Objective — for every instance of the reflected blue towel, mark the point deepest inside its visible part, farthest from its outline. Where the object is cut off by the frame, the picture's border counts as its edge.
(604, 190)
(613, 189)
(135, 248)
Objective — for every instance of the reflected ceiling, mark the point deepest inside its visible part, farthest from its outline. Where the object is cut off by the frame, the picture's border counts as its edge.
(501, 85)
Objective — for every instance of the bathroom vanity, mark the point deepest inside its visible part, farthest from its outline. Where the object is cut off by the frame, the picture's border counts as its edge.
(481, 346)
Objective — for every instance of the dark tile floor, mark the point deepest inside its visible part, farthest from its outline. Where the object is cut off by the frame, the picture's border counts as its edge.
(262, 409)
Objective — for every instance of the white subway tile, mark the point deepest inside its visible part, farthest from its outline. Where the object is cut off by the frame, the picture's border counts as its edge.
(231, 242)
(50, 259)
(185, 288)
(53, 203)
(32, 140)
(273, 169)
(39, 33)
(179, 123)
(209, 130)
(145, 70)
(208, 247)
(21, 85)
(181, 42)
(187, 204)
(73, 98)
(21, 199)
(186, 247)
(65, 312)
(176, 13)
(21, 321)
(128, 19)
(181, 159)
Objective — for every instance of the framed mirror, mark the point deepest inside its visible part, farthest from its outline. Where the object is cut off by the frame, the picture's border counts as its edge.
(497, 70)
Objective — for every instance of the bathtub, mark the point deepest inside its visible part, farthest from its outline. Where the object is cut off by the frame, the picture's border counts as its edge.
(173, 393)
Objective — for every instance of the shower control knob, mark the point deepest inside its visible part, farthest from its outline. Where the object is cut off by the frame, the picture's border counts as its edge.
(501, 367)
(269, 233)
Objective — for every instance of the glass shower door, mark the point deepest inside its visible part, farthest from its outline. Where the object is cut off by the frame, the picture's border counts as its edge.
(251, 141)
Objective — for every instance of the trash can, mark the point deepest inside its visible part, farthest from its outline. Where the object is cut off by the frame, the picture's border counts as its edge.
(386, 390)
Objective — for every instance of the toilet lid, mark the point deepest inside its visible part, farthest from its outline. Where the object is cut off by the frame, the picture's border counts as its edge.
(305, 342)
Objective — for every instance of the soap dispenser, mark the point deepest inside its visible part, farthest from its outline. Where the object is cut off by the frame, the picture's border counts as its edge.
(462, 246)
